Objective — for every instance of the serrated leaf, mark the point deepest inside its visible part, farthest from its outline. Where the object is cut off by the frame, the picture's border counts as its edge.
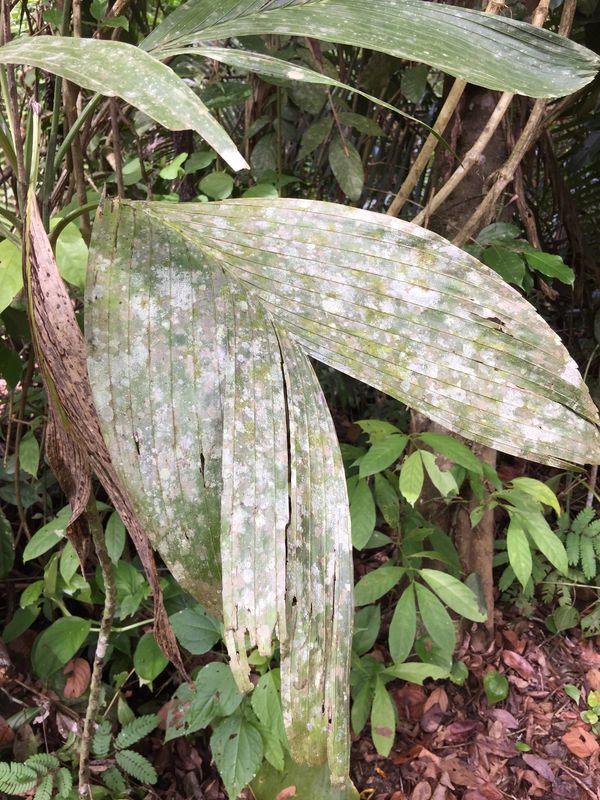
(44, 789)
(589, 564)
(136, 765)
(117, 69)
(64, 783)
(519, 552)
(236, 746)
(403, 626)
(16, 778)
(42, 762)
(412, 477)
(495, 52)
(136, 730)
(102, 739)
(113, 779)
(454, 594)
(383, 719)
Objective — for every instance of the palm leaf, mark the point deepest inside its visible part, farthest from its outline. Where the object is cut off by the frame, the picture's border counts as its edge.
(495, 52)
(121, 70)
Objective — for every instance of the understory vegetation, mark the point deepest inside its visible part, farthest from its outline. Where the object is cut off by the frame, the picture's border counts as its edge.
(299, 365)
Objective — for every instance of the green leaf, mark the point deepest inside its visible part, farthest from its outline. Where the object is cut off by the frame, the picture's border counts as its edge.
(346, 165)
(102, 739)
(414, 82)
(11, 277)
(387, 501)
(454, 594)
(442, 480)
(115, 537)
(376, 583)
(46, 537)
(44, 789)
(136, 765)
(361, 123)
(314, 136)
(71, 254)
(217, 185)
(117, 69)
(403, 626)
(113, 779)
(149, 660)
(545, 539)
(362, 514)
(198, 160)
(22, 620)
(361, 706)
(383, 719)
(495, 686)
(136, 730)
(413, 672)
(436, 619)
(237, 749)
(214, 694)
(7, 546)
(267, 707)
(377, 428)
(261, 190)
(29, 454)
(196, 629)
(57, 644)
(495, 52)
(367, 622)
(171, 171)
(572, 691)
(11, 366)
(565, 617)
(519, 552)
(453, 449)
(31, 594)
(69, 562)
(540, 491)
(551, 266)
(506, 263)
(64, 783)
(382, 454)
(412, 477)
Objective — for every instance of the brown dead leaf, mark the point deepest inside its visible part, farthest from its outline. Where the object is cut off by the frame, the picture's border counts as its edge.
(79, 672)
(505, 717)
(410, 701)
(461, 730)
(459, 772)
(407, 756)
(422, 791)
(592, 678)
(61, 353)
(518, 663)
(284, 794)
(580, 741)
(437, 697)
(540, 765)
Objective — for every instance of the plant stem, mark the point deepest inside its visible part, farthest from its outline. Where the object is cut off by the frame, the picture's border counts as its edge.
(62, 224)
(110, 594)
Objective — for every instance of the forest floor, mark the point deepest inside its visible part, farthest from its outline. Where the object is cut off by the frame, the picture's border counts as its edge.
(451, 744)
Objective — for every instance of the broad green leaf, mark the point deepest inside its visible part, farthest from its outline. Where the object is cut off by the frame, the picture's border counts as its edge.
(196, 629)
(29, 454)
(361, 123)
(453, 449)
(361, 706)
(376, 583)
(171, 171)
(442, 480)
(383, 719)
(414, 82)
(377, 428)
(11, 366)
(549, 265)
(495, 52)
(400, 308)
(436, 619)
(540, 491)
(387, 501)
(346, 165)
(362, 514)
(454, 594)
(46, 537)
(545, 539)
(148, 659)
(217, 185)
(115, 535)
(367, 622)
(519, 552)
(412, 477)
(267, 707)
(121, 70)
(69, 562)
(71, 254)
(495, 686)
(22, 620)
(237, 749)
(403, 626)
(11, 276)
(382, 454)
(57, 644)
(414, 672)
(506, 263)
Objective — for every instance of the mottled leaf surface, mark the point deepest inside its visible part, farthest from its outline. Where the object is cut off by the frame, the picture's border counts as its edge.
(400, 308)
(491, 51)
(121, 70)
